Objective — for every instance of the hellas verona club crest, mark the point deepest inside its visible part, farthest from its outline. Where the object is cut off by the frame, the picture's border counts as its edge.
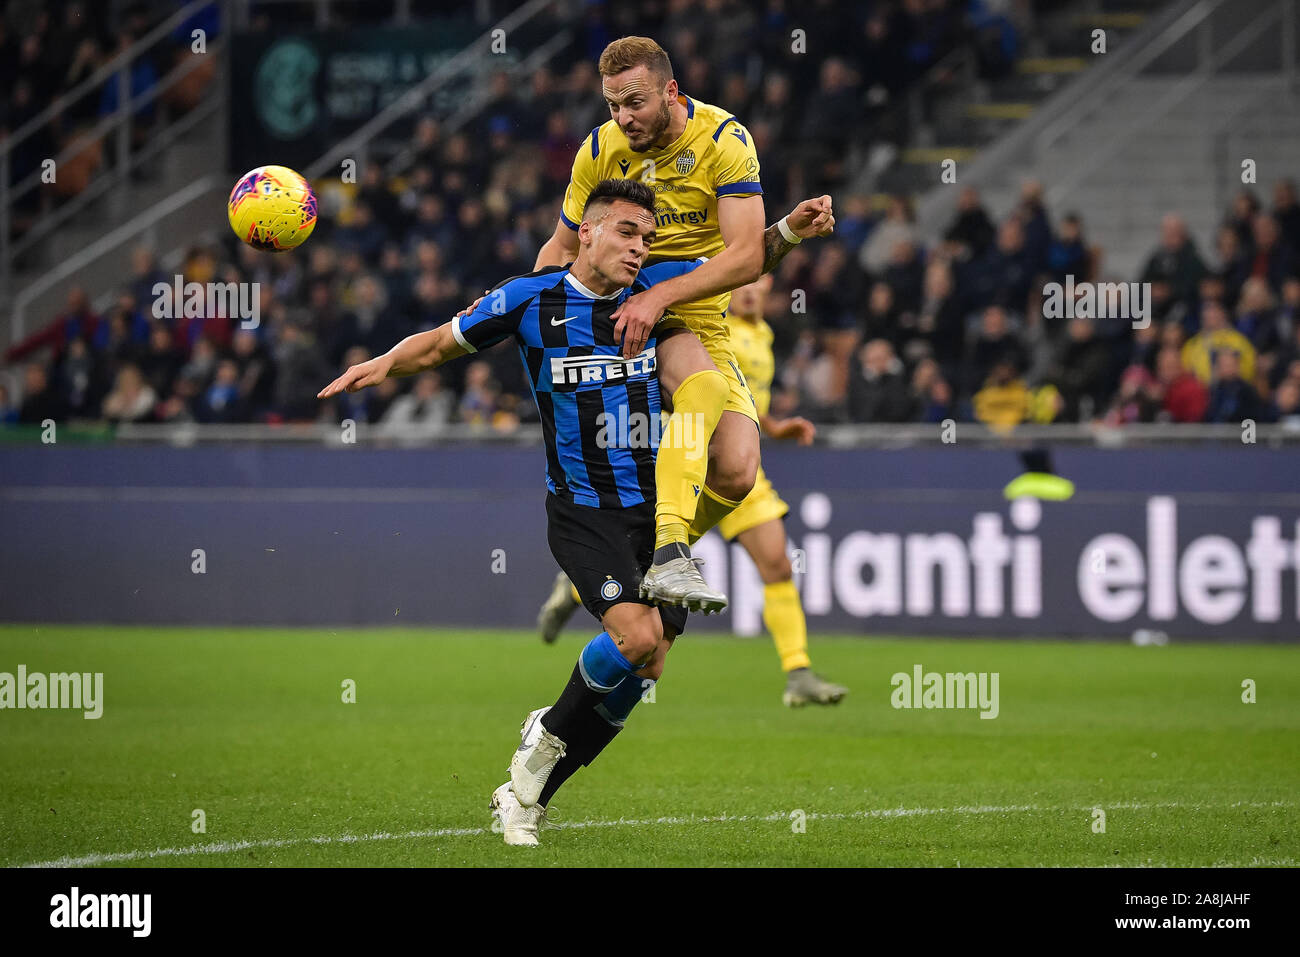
(685, 161)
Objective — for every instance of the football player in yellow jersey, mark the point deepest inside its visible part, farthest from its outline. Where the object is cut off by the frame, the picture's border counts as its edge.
(702, 165)
(757, 523)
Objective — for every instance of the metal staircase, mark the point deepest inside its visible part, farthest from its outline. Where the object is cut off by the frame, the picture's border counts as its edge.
(1156, 128)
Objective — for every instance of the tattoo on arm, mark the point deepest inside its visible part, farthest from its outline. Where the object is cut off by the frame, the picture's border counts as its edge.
(775, 247)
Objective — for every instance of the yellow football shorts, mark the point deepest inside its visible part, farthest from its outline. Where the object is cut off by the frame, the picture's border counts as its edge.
(717, 343)
(760, 506)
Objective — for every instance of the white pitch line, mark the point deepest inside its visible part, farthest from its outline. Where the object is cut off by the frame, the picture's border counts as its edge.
(230, 847)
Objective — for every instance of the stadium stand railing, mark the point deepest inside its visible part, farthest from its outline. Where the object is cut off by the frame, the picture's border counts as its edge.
(883, 436)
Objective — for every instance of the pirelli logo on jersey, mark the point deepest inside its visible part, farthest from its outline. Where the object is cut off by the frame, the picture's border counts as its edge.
(569, 372)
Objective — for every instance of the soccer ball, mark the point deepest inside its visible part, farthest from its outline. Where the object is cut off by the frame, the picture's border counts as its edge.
(272, 207)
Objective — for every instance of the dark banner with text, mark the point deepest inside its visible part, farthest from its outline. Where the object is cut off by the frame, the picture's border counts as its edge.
(1201, 542)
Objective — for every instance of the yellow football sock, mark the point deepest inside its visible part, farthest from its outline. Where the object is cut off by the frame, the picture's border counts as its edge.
(684, 452)
(783, 615)
(711, 509)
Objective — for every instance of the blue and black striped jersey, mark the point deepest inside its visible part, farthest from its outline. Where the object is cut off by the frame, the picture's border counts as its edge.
(582, 386)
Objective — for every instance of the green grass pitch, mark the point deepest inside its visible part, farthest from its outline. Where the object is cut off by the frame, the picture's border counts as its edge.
(249, 726)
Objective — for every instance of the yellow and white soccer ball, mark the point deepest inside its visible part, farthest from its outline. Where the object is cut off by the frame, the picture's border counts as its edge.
(272, 207)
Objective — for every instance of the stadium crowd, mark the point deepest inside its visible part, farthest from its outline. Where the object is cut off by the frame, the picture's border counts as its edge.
(877, 324)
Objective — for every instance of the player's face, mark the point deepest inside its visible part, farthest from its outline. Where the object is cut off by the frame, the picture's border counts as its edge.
(620, 241)
(747, 301)
(638, 103)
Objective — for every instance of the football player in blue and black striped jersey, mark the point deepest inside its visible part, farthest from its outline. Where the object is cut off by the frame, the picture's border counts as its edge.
(600, 421)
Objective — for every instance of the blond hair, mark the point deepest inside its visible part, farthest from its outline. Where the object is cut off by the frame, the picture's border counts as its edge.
(629, 52)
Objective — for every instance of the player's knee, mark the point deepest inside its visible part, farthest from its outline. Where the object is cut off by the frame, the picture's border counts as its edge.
(654, 668)
(641, 641)
(732, 475)
(775, 569)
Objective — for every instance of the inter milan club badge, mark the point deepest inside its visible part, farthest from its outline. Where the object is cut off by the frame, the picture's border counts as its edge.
(685, 161)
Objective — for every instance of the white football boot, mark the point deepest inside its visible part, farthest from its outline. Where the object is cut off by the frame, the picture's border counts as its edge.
(532, 764)
(519, 825)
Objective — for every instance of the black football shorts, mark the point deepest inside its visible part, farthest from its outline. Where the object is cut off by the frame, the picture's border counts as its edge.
(604, 551)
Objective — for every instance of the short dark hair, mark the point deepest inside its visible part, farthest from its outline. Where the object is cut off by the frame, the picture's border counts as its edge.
(628, 190)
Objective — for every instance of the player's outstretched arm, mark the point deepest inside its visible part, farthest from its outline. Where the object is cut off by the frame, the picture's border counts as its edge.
(812, 217)
(799, 429)
(417, 353)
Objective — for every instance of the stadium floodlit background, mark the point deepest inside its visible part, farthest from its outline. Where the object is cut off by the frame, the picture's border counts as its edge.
(182, 514)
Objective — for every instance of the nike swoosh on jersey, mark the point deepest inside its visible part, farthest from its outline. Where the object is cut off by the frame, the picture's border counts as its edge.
(560, 322)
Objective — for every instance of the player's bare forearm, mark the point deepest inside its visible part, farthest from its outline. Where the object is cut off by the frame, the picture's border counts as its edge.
(735, 266)
(797, 429)
(414, 354)
(424, 351)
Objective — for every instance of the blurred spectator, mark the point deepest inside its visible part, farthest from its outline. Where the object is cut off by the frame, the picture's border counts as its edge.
(878, 390)
(77, 380)
(897, 227)
(1138, 400)
(931, 393)
(1273, 260)
(1234, 263)
(1217, 336)
(302, 371)
(1241, 218)
(1003, 402)
(1175, 261)
(1083, 370)
(995, 342)
(479, 402)
(1184, 396)
(972, 231)
(428, 404)
(1033, 220)
(1286, 211)
(1067, 253)
(939, 319)
(220, 402)
(1286, 404)
(132, 399)
(1257, 315)
(1003, 275)
(40, 401)
(1232, 399)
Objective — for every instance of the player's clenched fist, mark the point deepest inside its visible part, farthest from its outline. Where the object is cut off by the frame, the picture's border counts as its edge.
(812, 217)
(371, 372)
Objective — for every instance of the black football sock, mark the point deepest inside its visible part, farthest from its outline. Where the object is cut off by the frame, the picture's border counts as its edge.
(590, 736)
(666, 553)
(600, 669)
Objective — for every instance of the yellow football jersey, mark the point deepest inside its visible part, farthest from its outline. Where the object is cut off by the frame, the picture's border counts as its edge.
(713, 157)
(751, 343)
